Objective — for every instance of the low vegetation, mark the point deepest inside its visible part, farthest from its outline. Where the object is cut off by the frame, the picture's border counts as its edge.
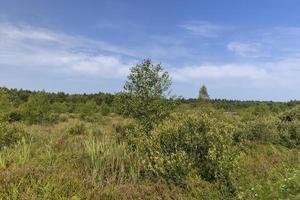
(142, 144)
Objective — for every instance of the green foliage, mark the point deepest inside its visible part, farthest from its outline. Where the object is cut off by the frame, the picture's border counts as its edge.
(58, 107)
(148, 80)
(37, 109)
(259, 130)
(120, 103)
(261, 110)
(203, 143)
(104, 109)
(186, 146)
(289, 128)
(217, 149)
(145, 90)
(10, 134)
(87, 109)
(8, 99)
(289, 133)
(148, 112)
(12, 116)
(291, 115)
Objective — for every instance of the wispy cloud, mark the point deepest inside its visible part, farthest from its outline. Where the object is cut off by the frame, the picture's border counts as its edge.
(246, 49)
(282, 73)
(23, 46)
(47, 52)
(227, 71)
(204, 28)
(273, 43)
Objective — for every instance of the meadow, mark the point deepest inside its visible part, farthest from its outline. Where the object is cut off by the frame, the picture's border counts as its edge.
(136, 146)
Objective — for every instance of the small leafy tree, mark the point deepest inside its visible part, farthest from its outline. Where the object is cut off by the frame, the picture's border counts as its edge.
(146, 90)
(147, 80)
(203, 94)
(37, 109)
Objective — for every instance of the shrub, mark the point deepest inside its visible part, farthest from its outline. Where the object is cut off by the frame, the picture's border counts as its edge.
(291, 115)
(87, 109)
(289, 128)
(59, 107)
(10, 134)
(262, 130)
(207, 142)
(13, 116)
(6, 103)
(187, 145)
(104, 109)
(77, 129)
(289, 133)
(148, 111)
(37, 109)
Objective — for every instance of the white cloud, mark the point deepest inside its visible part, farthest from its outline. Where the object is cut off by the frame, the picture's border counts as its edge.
(283, 74)
(271, 43)
(245, 49)
(204, 29)
(230, 71)
(42, 50)
(23, 46)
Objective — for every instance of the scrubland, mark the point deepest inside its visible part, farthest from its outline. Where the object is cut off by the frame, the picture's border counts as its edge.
(139, 144)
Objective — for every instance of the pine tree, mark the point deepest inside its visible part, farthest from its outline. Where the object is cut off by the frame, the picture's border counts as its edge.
(203, 94)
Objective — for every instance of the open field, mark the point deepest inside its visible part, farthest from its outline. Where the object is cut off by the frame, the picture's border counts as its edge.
(204, 150)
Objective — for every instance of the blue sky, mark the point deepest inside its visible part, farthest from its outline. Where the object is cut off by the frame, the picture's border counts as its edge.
(239, 49)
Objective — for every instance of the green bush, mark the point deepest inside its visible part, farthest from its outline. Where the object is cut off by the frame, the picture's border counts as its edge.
(104, 109)
(207, 142)
(289, 127)
(187, 145)
(289, 133)
(58, 107)
(37, 109)
(77, 129)
(119, 103)
(6, 101)
(291, 115)
(87, 109)
(10, 134)
(148, 111)
(124, 130)
(262, 130)
(13, 116)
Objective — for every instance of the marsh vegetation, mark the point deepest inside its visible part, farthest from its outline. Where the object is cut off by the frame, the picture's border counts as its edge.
(143, 144)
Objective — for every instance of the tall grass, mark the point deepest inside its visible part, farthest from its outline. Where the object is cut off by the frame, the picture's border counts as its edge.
(111, 162)
(19, 154)
(3, 159)
(25, 151)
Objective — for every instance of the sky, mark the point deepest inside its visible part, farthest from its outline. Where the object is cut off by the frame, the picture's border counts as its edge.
(240, 49)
